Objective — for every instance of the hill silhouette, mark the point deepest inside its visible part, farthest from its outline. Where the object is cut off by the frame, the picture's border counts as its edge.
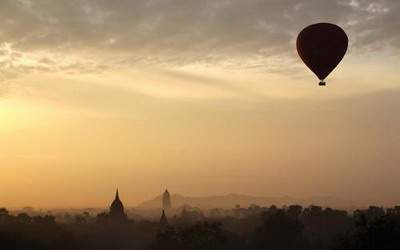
(231, 200)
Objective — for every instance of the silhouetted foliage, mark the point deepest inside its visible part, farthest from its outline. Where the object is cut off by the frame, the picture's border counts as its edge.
(279, 232)
(374, 229)
(252, 228)
(200, 236)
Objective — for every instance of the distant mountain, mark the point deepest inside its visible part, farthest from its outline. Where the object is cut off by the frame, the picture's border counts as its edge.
(231, 200)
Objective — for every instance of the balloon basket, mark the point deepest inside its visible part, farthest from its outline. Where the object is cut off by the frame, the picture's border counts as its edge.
(322, 83)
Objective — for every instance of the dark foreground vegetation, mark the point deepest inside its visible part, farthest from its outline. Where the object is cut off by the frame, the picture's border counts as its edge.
(290, 228)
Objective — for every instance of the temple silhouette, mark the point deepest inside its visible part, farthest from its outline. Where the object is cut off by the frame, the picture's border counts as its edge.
(117, 214)
(166, 201)
(163, 219)
(117, 211)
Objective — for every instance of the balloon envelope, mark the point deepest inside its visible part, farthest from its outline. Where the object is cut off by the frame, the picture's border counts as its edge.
(322, 46)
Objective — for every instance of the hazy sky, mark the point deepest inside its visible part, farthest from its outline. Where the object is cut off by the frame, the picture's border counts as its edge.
(202, 97)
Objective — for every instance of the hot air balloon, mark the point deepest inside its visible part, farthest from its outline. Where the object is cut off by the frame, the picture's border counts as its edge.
(322, 46)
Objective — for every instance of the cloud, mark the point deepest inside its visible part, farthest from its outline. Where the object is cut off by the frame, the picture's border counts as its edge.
(179, 32)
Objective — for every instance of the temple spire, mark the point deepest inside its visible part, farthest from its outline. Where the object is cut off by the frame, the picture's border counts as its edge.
(117, 212)
(117, 195)
(166, 201)
(163, 219)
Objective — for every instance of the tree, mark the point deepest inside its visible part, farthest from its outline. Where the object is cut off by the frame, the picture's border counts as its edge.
(24, 218)
(201, 236)
(278, 232)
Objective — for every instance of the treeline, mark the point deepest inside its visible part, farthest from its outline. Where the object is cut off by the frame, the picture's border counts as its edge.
(289, 228)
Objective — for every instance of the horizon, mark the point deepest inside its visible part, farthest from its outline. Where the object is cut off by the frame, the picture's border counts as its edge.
(204, 97)
(140, 204)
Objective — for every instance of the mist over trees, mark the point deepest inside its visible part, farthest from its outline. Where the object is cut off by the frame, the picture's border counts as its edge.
(250, 228)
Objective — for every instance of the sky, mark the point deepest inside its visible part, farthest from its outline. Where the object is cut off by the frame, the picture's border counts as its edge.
(203, 97)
